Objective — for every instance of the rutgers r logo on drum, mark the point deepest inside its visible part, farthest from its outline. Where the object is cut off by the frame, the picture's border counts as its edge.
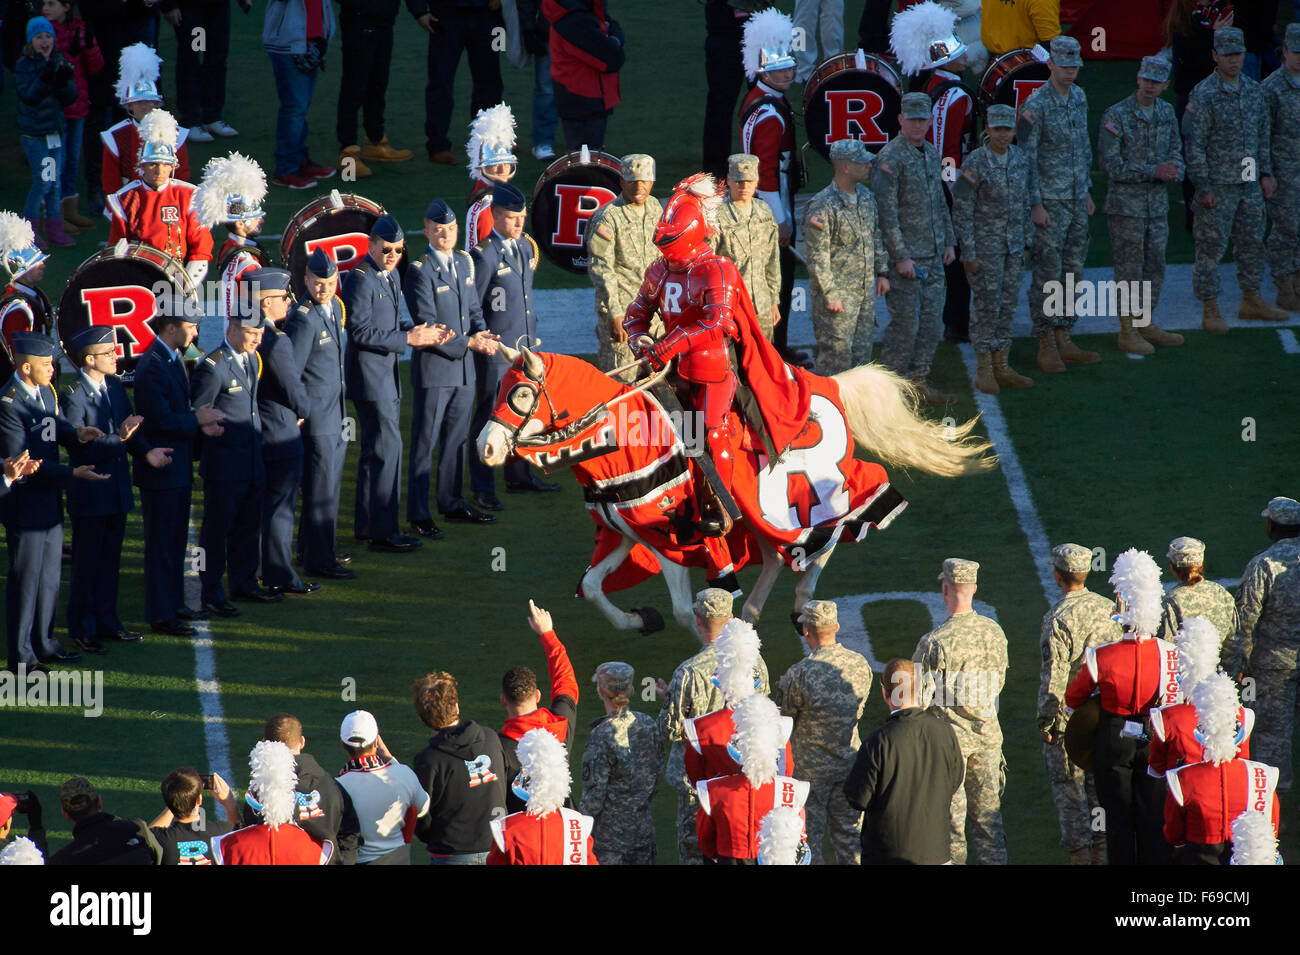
(170, 214)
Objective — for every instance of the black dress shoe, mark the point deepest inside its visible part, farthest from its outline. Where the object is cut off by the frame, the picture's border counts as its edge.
(222, 608)
(125, 636)
(258, 596)
(89, 646)
(337, 572)
(535, 484)
(29, 668)
(488, 501)
(468, 515)
(427, 528)
(174, 628)
(185, 613)
(61, 656)
(302, 588)
(397, 544)
(343, 558)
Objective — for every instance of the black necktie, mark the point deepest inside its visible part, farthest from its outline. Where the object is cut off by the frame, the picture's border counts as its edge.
(108, 405)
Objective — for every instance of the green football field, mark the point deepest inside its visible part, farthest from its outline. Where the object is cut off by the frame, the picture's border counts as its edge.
(1124, 454)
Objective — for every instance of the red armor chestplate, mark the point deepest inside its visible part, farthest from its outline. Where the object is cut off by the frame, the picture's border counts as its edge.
(696, 307)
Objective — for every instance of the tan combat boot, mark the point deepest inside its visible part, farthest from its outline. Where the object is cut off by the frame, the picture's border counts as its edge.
(382, 152)
(1212, 319)
(353, 155)
(1081, 856)
(1158, 336)
(1048, 358)
(1254, 308)
(1130, 341)
(1005, 375)
(1071, 353)
(1288, 295)
(984, 379)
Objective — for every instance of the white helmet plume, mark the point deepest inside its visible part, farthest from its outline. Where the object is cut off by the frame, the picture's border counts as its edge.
(22, 851)
(915, 29)
(737, 647)
(225, 178)
(768, 36)
(779, 836)
(1253, 840)
(545, 766)
(139, 63)
(1136, 578)
(491, 138)
(1215, 700)
(1198, 652)
(273, 779)
(759, 738)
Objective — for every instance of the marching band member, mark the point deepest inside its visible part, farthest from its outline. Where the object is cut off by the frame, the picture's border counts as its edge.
(231, 192)
(491, 150)
(545, 833)
(138, 94)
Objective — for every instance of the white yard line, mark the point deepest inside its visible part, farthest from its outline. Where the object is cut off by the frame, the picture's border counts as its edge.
(1017, 486)
(205, 678)
(1289, 343)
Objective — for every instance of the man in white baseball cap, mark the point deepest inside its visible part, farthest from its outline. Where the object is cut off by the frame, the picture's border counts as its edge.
(387, 796)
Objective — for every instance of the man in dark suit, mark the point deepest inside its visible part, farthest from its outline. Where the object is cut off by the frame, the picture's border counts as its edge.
(503, 275)
(30, 421)
(439, 289)
(97, 397)
(315, 327)
(234, 474)
(282, 402)
(379, 331)
(904, 778)
(162, 399)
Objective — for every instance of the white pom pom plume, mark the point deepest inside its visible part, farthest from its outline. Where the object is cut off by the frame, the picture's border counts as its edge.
(1198, 652)
(779, 836)
(15, 233)
(1253, 840)
(758, 738)
(545, 764)
(1136, 578)
(224, 177)
(22, 851)
(737, 646)
(273, 779)
(914, 29)
(769, 31)
(138, 62)
(1215, 700)
(159, 126)
(492, 132)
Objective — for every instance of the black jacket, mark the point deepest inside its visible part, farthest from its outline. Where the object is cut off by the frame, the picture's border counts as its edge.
(103, 839)
(904, 779)
(464, 772)
(324, 811)
(368, 14)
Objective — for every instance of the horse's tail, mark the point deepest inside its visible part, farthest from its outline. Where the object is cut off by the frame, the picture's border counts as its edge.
(879, 407)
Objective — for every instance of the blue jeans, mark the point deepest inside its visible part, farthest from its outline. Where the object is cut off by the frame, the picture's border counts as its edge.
(467, 858)
(544, 118)
(69, 173)
(44, 194)
(294, 90)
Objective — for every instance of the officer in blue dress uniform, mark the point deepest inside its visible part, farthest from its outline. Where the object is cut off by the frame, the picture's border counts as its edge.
(30, 421)
(439, 289)
(282, 402)
(315, 327)
(97, 397)
(503, 275)
(234, 475)
(162, 399)
(379, 330)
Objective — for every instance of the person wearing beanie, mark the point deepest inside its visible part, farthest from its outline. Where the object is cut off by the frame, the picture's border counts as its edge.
(77, 43)
(46, 85)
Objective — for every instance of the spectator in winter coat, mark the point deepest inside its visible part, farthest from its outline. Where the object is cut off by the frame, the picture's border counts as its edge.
(46, 84)
(74, 40)
(586, 55)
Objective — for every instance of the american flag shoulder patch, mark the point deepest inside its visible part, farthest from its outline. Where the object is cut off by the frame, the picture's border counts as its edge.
(1190, 108)
(604, 231)
(886, 167)
(817, 222)
(970, 176)
(1027, 116)
(1112, 127)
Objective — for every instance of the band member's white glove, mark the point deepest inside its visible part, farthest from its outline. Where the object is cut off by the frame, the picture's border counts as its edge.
(197, 270)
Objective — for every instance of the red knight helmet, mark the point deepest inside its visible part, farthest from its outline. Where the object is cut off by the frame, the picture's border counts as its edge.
(690, 217)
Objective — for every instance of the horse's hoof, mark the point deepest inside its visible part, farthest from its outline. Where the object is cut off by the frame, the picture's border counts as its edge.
(794, 619)
(652, 620)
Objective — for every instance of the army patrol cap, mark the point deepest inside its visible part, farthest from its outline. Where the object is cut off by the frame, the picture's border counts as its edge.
(387, 229)
(77, 795)
(850, 150)
(713, 603)
(637, 167)
(916, 106)
(742, 167)
(507, 198)
(1186, 552)
(1155, 69)
(615, 678)
(1000, 116)
(1065, 51)
(1292, 38)
(440, 212)
(322, 265)
(1229, 40)
(820, 613)
(1072, 558)
(959, 571)
(35, 345)
(1280, 510)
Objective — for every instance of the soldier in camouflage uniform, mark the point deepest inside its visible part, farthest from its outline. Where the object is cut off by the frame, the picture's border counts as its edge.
(747, 235)
(1080, 619)
(826, 692)
(1140, 150)
(1281, 90)
(963, 663)
(692, 693)
(1268, 608)
(1053, 132)
(1194, 596)
(847, 266)
(620, 772)
(1230, 165)
(620, 247)
(917, 229)
(990, 212)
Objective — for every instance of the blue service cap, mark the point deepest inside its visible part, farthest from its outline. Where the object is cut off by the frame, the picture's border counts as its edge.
(440, 212)
(322, 265)
(267, 279)
(35, 345)
(386, 228)
(91, 335)
(507, 198)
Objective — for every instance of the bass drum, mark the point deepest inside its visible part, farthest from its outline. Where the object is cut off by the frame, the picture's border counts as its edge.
(15, 320)
(852, 94)
(569, 192)
(1010, 79)
(121, 286)
(340, 224)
